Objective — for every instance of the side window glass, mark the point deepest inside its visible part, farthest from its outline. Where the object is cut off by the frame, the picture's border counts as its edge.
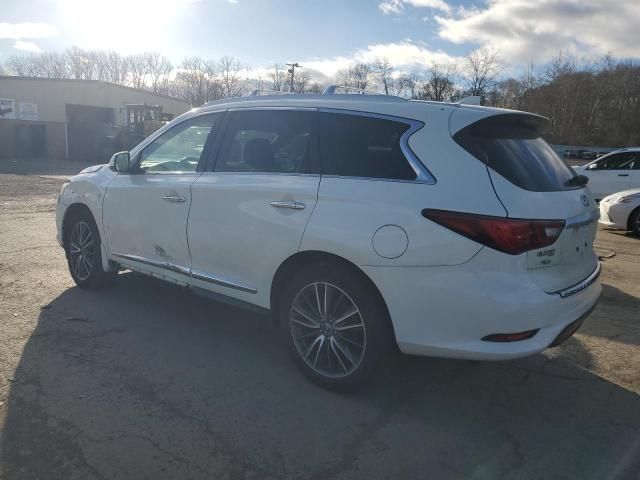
(180, 148)
(621, 161)
(361, 146)
(278, 141)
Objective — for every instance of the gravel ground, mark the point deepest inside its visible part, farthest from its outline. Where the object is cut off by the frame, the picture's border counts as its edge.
(146, 380)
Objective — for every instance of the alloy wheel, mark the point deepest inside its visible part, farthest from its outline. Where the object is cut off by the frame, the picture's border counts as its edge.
(328, 330)
(82, 251)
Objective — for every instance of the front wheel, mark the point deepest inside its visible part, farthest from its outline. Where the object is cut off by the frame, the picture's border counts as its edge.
(84, 254)
(634, 221)
(337, 326)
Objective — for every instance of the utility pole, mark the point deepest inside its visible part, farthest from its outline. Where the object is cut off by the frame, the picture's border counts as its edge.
(292, 70)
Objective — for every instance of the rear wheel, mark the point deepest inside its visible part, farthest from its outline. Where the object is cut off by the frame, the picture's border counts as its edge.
(84, 252)
(337, 328)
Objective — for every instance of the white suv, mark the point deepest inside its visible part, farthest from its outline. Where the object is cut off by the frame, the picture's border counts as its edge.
(360, 221)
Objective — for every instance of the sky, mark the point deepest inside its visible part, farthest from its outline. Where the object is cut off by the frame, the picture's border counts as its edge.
(325, 36)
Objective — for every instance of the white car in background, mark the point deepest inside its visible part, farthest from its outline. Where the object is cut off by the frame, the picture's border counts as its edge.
(621, 211)
(362, 222)
(614, 172)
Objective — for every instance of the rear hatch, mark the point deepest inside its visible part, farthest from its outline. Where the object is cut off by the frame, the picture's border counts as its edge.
(532, 182)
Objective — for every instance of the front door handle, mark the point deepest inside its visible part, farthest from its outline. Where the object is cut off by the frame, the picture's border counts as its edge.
(174, 199)
(623, 174)
(291, 205)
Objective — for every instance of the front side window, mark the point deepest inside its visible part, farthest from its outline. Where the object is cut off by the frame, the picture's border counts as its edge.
(620, 161)
(268, 141)
(180, 148)
(362, 146)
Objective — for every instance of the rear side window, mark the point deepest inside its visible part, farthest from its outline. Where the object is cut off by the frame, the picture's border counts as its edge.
(512, 146)
(268, 141)
(361, 146)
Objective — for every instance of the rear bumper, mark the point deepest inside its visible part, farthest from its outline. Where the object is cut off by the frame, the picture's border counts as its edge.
(446, 311)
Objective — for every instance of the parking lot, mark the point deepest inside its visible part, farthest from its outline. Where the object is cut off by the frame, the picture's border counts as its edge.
(146, 380)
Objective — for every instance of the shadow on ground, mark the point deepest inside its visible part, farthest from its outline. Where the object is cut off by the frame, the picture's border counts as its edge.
(622, 312)
(146, 380)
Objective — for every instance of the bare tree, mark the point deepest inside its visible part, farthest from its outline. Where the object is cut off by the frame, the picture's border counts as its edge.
(480, 71)
(158, 69)
(229, 70)
(383, 70)
(356, 76)
(278, 77)
(560, 65)
(79, 63)
(440, 84)
(301, 80)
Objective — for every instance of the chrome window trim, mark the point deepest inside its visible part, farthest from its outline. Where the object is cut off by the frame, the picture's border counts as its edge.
(582, 219)
(578, 287)
(207, 277)
(423, 175)
(189, 272)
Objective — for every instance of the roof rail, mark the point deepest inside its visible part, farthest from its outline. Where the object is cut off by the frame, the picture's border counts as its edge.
(471, 100)
(331, 90)
(259, 91)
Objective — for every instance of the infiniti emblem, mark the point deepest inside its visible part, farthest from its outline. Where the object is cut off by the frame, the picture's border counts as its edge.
(585, 200)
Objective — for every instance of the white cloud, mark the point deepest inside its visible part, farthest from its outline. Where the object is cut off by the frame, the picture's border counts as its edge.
(17, 31)
(403, 56)
(524, 30)
(26, 46)
(396, 6)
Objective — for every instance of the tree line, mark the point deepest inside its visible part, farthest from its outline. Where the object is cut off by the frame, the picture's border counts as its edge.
(590, 103)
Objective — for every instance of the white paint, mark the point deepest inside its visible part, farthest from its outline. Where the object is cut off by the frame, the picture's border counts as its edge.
(390, 241)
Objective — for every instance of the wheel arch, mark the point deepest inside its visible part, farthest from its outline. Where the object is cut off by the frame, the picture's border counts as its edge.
(634, 212)
(308, 257)
(70, 212)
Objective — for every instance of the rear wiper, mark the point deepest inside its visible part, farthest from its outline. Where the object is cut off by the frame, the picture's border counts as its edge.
(577, 181)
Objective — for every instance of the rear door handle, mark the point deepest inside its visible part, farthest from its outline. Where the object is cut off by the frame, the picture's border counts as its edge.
(174, 199)
(291, 205)
(623, 174)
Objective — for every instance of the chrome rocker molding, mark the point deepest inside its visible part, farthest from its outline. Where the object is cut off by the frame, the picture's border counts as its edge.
(198, 275)
(154, 263)
(578, 287)
(207, 277)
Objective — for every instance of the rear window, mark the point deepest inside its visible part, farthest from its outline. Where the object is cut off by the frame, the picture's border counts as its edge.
(512, 146)
(362, 146)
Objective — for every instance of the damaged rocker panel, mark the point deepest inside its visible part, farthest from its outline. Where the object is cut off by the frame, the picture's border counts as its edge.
(198, 275)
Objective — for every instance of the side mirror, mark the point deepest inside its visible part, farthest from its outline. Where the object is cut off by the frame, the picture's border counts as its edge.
(593, 166)
(121, 161)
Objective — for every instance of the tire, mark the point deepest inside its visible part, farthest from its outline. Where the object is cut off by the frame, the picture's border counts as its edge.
(83, 249)
(634, 221)
(339, 350)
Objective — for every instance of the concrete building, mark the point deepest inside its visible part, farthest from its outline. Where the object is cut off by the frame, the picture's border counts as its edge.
(75, 119)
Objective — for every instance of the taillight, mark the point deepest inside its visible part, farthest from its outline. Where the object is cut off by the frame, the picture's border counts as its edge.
(508, 235)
